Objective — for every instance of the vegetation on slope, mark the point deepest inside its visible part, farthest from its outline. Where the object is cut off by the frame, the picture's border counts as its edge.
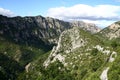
(85, 55)
(14, 57)
(83, 63)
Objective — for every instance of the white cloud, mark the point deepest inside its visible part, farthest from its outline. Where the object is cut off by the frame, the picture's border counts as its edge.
(6, 12)
(104, 13)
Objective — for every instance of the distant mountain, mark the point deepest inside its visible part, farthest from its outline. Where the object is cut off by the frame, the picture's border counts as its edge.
(92, 28)
(112, 31)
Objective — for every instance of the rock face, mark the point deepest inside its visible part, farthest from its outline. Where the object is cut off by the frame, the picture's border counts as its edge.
(112, 31)
(32, 30)
(69, 40)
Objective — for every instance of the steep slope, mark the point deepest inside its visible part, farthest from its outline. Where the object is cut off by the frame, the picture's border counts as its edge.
(14, 58)
(83, 54)
(77, 56)
(22, 29)
(24, 39)
(112, 31)
(70, 40)
(9, 68)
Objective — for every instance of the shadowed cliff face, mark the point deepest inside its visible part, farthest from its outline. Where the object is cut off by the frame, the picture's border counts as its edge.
(32, 30)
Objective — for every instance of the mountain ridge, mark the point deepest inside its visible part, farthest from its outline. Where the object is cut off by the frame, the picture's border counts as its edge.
(51, 49)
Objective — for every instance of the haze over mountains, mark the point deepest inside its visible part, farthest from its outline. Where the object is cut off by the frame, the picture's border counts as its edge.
(44, 48)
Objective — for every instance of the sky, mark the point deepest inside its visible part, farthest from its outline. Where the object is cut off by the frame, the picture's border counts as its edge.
(100, 12)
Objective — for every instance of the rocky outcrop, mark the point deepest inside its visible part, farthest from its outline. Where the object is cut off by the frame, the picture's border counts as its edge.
(69, 40)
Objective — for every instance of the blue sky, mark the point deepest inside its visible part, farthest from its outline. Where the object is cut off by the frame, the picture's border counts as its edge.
(48, 8)
(40, 7)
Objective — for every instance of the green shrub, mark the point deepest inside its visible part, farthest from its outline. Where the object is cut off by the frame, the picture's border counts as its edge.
(94, 52)
(114, 44)
(93, 76)
(95, 64)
